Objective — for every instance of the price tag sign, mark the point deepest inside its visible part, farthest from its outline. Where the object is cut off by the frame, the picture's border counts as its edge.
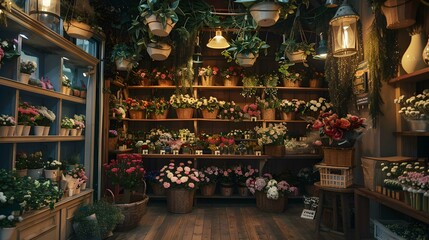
(247, 136)
(308, 214)
(258, 153)
(217, 152)
(145, 152)
(253, 119)
(199, 152)
(175, 152)
(162, 152)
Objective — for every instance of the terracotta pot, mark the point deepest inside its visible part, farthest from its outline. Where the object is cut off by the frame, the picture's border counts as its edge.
(160, 116)
(232, 81)
(136, 114)
(246, 60)
(288, 83)
(77, 29)
(83, 93)
(210, 115)
(158, 51)
(314, 83)
(184, 113)
(76, 92)
(265, 14)
(156, 27)
(145, 82)
(399, 13)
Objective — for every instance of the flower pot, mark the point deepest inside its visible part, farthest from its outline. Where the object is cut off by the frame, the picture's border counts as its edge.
(243, 191)
(269, 114)
(265, 14)
(207, 80)
(24, 78)
(180, 200)
(112, 141)
(226, 190)
(156, 27)
(63, 131)
(418, 125)
(145, 82)
(65, 90)
(83, 186)
(35, 173)
(79, 132)
(314, 83)
(208, 189)
(19, 129)
(38, 130)
(160, 116)
(83, 93)
(210, 115)
(274, 150)
(231, 81)
(158, 189)
(123, 64)
(158, 51)
(21, 172)
(270, 205)
(73, 132)
(246, 60)
(7, 233)
(298, 56)
(46, 130)
(4, 131)
(26, 131)
(288, 116)
(289, 83)
(165, 82)
(77, 29)
(11, 131)
(399, 13)
(51, 174)
(136, 114)
(412, 59)
(76, 92)
(184, 113)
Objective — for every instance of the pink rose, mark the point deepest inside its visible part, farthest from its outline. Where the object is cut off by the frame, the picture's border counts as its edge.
(166, 185)
(191, 185)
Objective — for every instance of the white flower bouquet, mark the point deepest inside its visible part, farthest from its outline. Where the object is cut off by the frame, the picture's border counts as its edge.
(273, 134)
(415, 107)
(183, 101)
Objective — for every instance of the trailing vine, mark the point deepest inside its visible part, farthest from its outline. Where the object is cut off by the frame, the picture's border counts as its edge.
(340, 74)
(383, 58)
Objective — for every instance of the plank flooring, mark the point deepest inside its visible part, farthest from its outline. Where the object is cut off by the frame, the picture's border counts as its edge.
(217, 220)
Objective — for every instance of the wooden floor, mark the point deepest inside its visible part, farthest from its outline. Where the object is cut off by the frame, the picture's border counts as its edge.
(217, 220)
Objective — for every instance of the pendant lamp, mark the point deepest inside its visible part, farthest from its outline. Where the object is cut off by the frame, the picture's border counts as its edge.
(321, 50)
(218, 42)
(197, 58)
(344, 33)
(331, 3)
(47, 12)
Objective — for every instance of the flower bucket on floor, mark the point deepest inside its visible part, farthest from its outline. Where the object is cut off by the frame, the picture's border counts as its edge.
(180, 200)
(208, 190)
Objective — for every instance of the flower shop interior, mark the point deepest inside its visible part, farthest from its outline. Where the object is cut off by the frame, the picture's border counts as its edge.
(206, 119)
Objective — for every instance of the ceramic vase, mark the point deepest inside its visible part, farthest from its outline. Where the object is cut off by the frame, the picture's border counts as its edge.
(425, 53)
(412, 59)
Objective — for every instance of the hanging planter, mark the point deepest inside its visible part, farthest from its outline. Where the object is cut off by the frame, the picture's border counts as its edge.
(157, 28)
(399, 13)
(265, 14)
(159, 51)
(246, 60)
(298, 56)
(78, 30)
(123, 64)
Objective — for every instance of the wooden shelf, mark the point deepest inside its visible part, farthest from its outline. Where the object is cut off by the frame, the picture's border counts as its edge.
(37, 90)
(412, 133)
(217, 196)
(205, 156)
(238, 88)
(417, 76)
(209, 120)
(32, 139)
(308, 156)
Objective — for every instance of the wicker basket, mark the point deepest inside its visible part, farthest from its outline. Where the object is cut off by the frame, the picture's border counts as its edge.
(270, 205)
(208, 190)
(340, 157)
(335, 177)
(180, 200)
(132, 211)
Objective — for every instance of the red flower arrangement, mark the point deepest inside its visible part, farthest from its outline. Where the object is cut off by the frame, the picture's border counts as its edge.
(27, 114)
(134, 104)
(342, 131)
(232, 71)
(127, 171)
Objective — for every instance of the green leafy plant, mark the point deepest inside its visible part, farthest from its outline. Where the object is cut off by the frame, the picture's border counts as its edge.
(121, 51)
(245, 44)
(85, 224)
(162, 9)
(108, 216)
(249, 85)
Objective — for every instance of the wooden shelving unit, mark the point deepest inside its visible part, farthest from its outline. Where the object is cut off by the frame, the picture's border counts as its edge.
(417, 76)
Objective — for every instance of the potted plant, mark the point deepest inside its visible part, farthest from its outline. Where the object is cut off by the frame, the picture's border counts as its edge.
(245, 49)
(265, 13)
(79, 23)
(415, 110)
(26, 69)
(398, 13)
(231, 111)
(272, 138)
(290, 78)
(159, 15)
(159, 50)
(241, 175)
(45, 119)
(207, 75)
(208, 178)
(66, 125)
(35, 165)
(315, 106)
(232, 74)
(158, 108)
(209, 107)
(268, 107)
(51, 169)
(184, 105)
(7, 125)
(290, 108)
(297, 51)
(122, 56)
(226, 181)
(180, 181)
(85, 224)
(65, 85)
(21, 164)
(250, 84)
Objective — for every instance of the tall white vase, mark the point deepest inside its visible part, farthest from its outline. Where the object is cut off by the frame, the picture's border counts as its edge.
(412, 59)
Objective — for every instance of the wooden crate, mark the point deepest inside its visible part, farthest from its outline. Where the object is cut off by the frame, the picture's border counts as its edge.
(340, 157)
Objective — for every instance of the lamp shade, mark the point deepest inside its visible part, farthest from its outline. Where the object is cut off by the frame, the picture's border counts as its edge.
(47, 12)
(331, 3)
(344, 33)
(321, 50)
(218, 42)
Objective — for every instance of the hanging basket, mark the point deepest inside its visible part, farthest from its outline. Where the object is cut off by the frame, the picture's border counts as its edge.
(158, 51)
(298, 56)
(246, 60)
(123, 64)
(180, 200)
(399, 13)
(265, 14)
(78, 30)
(156, 27)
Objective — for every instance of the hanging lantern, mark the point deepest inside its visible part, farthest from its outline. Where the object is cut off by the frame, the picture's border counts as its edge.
(47, 12)
(218, 42)
(344, 33)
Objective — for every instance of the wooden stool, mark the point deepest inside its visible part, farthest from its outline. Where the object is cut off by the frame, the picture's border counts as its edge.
(343, 196)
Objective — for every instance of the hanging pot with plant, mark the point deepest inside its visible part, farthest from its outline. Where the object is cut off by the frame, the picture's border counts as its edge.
(265, 14)
(122, 56)
(158, 51)
(79, 19)
(160, 16)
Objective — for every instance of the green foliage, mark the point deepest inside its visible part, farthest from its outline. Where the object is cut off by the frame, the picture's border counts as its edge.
(245, 44)
(85, 225)
(108, 216)
(120, 52)
(162, 9)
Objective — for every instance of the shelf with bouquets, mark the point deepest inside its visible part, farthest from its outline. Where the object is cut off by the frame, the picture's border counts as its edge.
(238, 88)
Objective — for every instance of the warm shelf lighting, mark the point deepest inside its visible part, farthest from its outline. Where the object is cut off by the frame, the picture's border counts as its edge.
(218, 42)
(321, 50)
(344, 33)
